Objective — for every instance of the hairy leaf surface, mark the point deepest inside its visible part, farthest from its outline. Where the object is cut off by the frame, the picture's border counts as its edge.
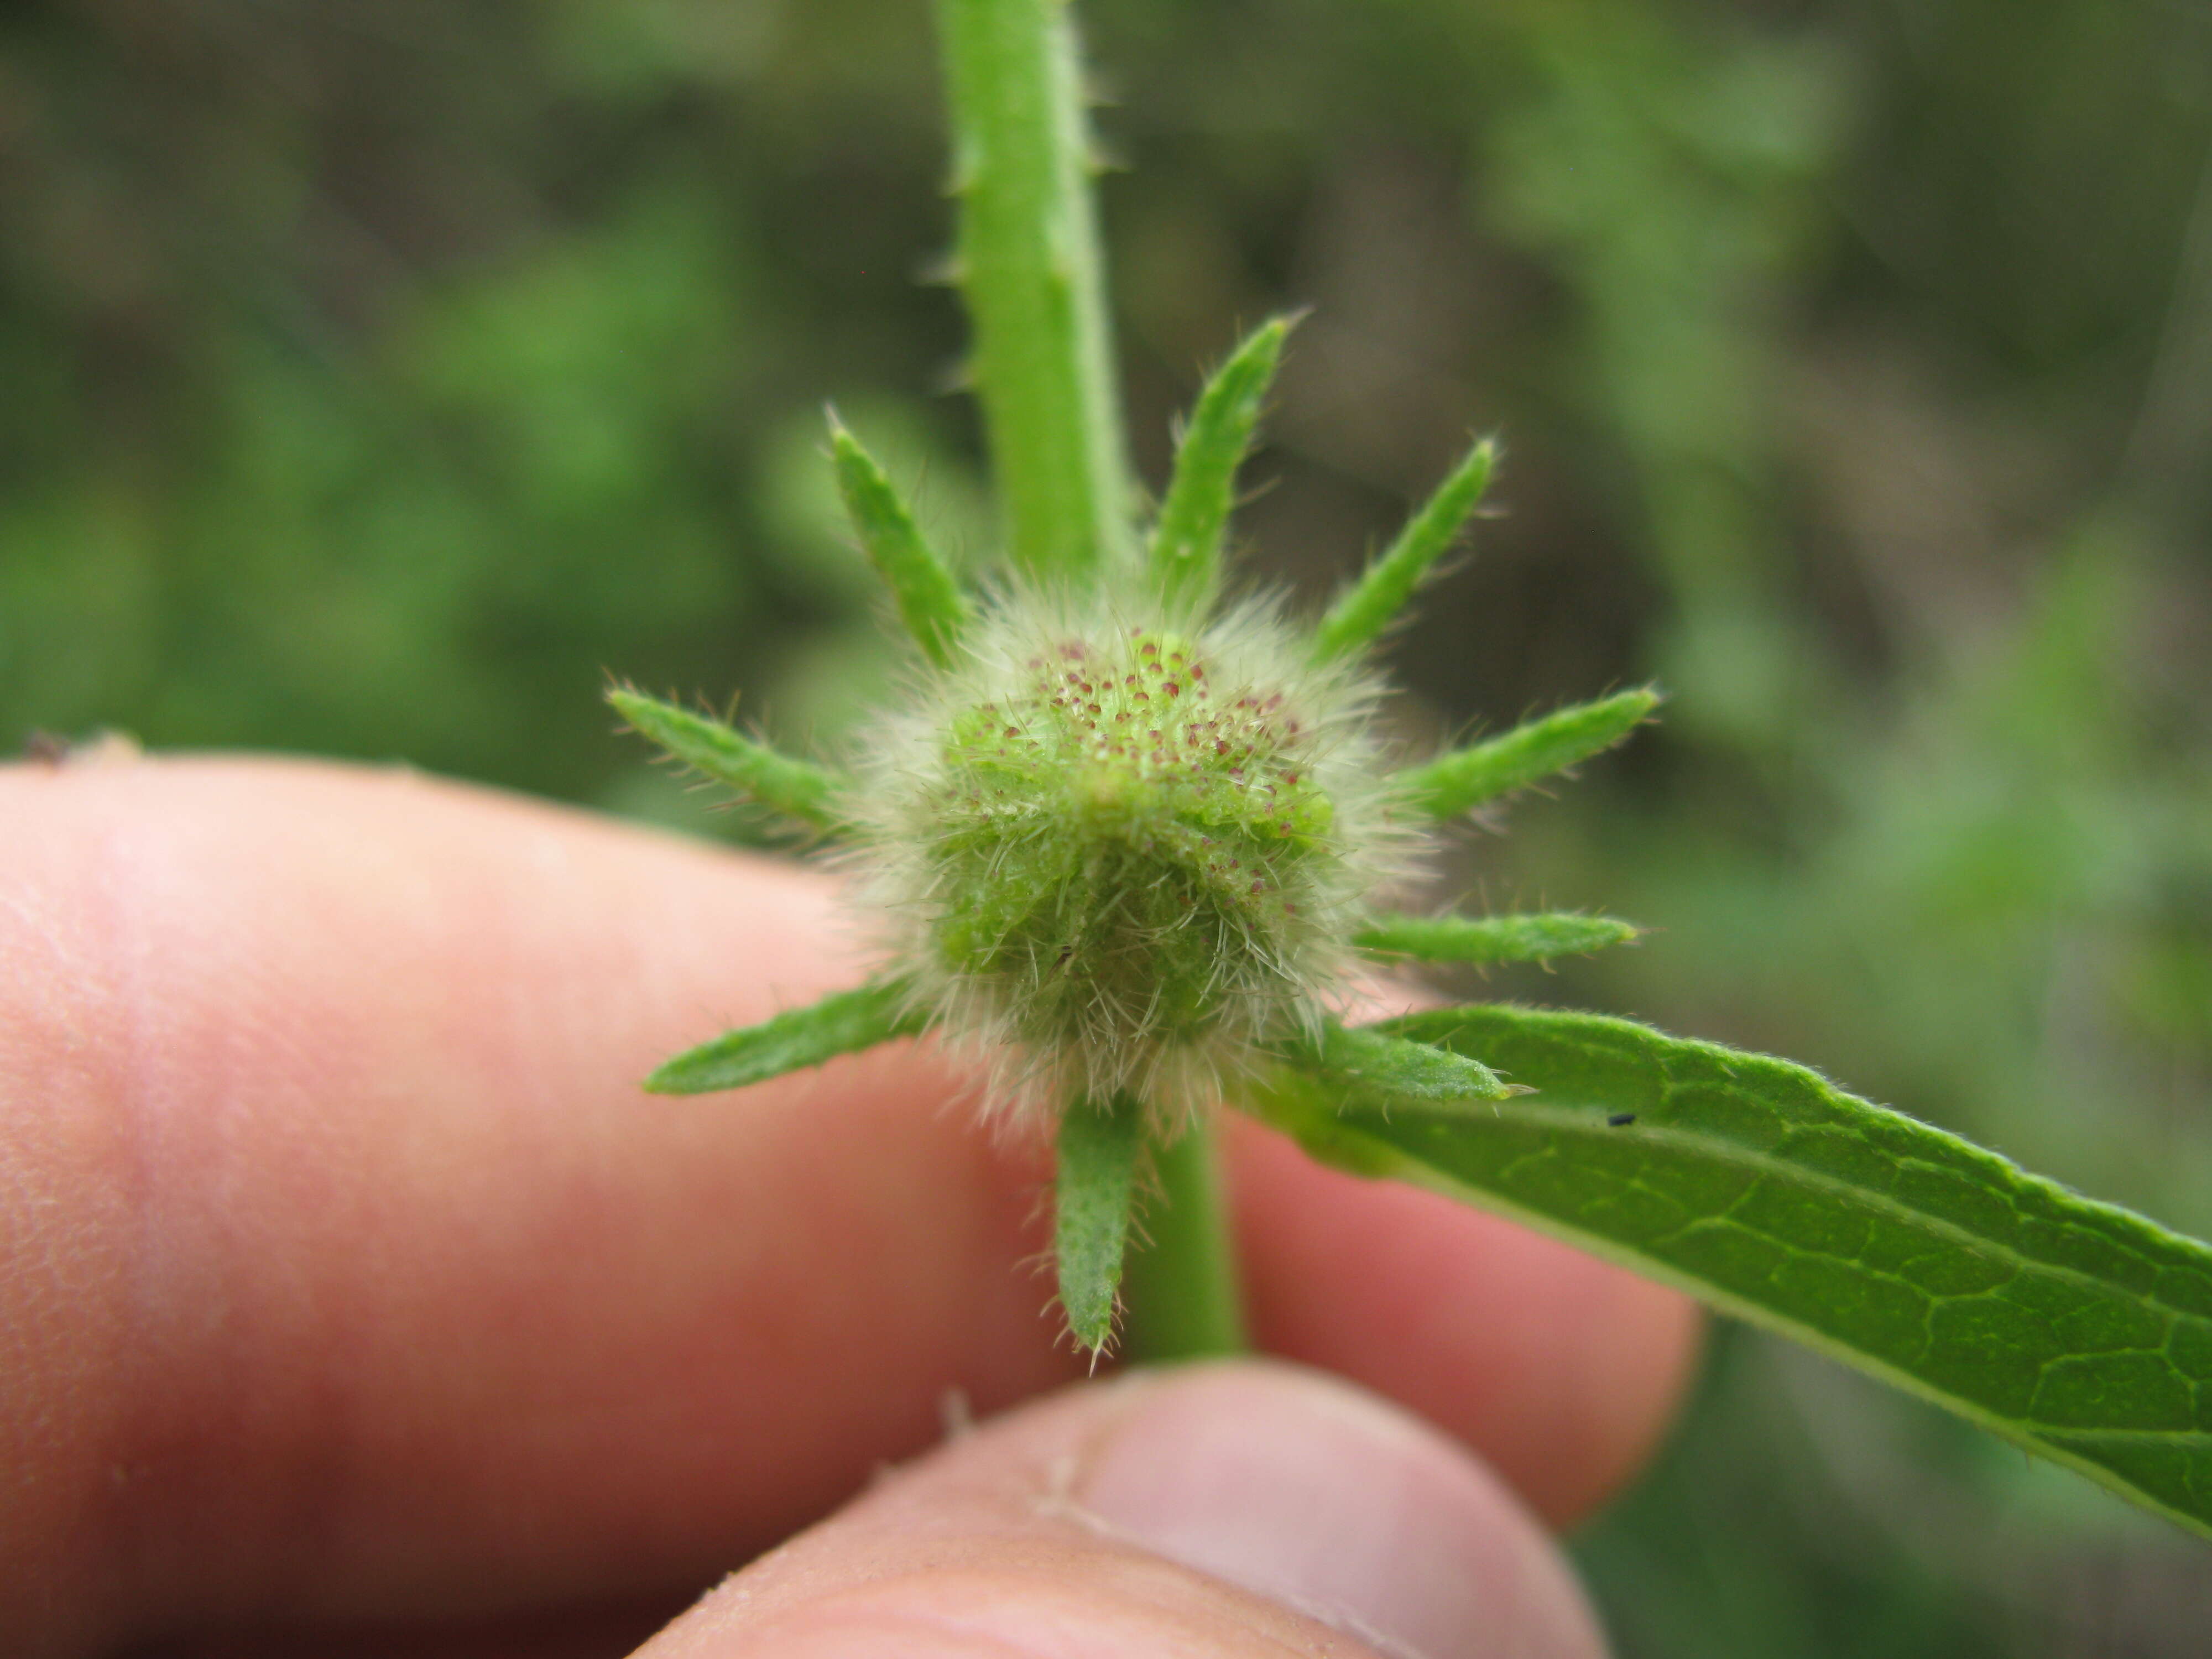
(1094, 1197)
(1384, 1070)
(930, 602)
(840, 1023)
(1186, 555)
(799, 789)
(1536, 937)
(2081, 1330)
(1463, 780)
(1381, 590)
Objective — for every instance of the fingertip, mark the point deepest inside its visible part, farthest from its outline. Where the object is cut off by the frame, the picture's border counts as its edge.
(487, 1312)
(1329, 1500)
(359, 1275)
(1244, 1508)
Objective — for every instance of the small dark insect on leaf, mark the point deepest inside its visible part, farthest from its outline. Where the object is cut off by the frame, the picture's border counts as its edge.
(1619, 1120)
(46, 749)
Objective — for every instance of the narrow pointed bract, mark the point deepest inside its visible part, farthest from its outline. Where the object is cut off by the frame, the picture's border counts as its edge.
(1537, 937)
(1377, 1067)
(797, 788)
(1366, 608)
(1186, 550)
(843, 1022)
(930, 602)
(1463, 780)
(1094, 1197)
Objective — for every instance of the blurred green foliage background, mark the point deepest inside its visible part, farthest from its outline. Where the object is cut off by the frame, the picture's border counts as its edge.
(375, 376)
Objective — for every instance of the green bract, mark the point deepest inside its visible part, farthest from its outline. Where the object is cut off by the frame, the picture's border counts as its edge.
(1133, 844)
(1130, 847)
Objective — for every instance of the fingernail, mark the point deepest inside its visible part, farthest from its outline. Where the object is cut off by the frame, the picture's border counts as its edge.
(1324, 1499)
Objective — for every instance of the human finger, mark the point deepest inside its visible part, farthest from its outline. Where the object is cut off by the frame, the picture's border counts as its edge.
(344, 1270)
(1216, 1512)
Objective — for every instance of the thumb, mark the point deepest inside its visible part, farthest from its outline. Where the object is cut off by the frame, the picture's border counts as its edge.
(1230, 1510)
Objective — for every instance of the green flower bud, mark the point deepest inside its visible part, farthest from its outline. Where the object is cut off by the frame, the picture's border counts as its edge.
(1123, 856)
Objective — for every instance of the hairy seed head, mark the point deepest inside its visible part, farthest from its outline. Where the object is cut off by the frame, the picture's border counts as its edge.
(1123, 855)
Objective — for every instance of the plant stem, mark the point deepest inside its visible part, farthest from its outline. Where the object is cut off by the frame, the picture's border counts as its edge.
(1181, 1289)
(1030, 266)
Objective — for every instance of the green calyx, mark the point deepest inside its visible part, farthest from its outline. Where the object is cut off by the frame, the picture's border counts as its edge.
(1128, 848)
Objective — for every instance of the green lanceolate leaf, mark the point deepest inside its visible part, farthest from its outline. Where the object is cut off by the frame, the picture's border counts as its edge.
(1379, 1068)
(1094, 1197)
(1466, 778)
(2080, 1330)
(840, 1023)
(1367, 606)
(1186, 554)
(930, 602)
(797, 788)
(1534, 938)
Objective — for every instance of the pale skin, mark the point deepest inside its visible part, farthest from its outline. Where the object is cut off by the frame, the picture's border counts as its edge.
(354, 1298)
